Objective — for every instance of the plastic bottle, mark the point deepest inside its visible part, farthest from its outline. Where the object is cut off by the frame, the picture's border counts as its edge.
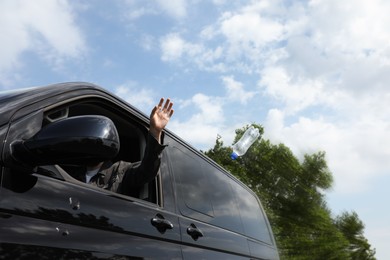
(248, 138)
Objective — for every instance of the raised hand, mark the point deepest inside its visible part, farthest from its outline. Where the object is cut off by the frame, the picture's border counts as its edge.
(159, 117)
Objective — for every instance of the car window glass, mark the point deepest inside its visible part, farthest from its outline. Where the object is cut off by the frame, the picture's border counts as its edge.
(223, 199)
(252, 216)
(193, 184)
(205, 189)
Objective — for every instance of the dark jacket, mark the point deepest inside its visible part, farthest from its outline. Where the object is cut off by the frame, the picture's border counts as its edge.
(126, 177)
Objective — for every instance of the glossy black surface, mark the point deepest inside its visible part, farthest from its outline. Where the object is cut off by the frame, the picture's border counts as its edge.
(79, 140)
(11, 101)
(47, 214)
(16, 104)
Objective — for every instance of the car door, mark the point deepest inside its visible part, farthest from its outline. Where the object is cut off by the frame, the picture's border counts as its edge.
(208, 231)
(46, 214)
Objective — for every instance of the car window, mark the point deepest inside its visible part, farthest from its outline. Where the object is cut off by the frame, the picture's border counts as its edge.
(190, 177)
(132, 134)
(206, 193)
(253, 219)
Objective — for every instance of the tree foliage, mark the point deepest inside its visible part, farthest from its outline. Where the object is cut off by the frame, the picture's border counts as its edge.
(352, 228)
(292, 193)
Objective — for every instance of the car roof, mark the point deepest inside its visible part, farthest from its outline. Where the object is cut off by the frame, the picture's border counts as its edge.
(12, 100)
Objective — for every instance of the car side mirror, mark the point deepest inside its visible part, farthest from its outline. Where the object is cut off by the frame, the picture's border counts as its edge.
(73, 140)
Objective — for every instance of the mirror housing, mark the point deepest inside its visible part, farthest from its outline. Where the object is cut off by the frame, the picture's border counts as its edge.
(75, 140)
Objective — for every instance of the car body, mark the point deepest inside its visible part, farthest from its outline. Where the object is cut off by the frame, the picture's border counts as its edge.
(193, 209)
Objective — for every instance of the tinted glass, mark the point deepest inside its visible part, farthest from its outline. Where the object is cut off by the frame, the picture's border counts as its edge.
(205, 189)
(193, 185)
(223, 200)
(252, 216)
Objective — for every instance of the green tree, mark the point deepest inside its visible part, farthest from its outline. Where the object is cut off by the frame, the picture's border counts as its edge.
(352, 228)
(292, 193)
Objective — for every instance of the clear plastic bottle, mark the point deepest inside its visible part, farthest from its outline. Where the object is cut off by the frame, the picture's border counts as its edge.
(247, 139)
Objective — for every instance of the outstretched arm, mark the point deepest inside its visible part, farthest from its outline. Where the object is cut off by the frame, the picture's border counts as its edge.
(136, 175)
(159, 118)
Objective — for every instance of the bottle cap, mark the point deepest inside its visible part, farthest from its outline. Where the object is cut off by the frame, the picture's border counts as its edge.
(234, 156)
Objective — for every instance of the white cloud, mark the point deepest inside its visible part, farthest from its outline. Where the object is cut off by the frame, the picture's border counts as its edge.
(249, 32)
(134, 10)
(246, 35)
(363, 23)
(235, 90)
(295, 93)
(202, 136)
(351, 49)
(175, 8)
(141, 98)
(44, 26)
(203, 126)
(209, 120)
(219, 2)
(173, 47)
(356, 150)
(210, 109)
(134, 14)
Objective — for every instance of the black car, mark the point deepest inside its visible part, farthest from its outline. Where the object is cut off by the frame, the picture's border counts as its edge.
(193, 209)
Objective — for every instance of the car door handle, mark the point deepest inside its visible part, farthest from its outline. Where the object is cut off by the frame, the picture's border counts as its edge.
(194, 232)
(161, 223)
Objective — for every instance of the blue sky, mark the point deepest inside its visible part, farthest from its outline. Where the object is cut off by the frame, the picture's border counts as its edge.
(314, 73)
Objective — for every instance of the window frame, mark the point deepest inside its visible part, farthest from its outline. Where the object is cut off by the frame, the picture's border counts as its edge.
(113, 108)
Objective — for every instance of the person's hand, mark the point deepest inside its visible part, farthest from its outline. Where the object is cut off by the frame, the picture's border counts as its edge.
(159, 117)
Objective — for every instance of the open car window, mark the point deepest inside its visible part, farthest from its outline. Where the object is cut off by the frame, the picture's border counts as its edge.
(132, 135)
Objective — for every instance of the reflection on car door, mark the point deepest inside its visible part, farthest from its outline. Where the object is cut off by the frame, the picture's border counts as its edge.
(57, 214)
